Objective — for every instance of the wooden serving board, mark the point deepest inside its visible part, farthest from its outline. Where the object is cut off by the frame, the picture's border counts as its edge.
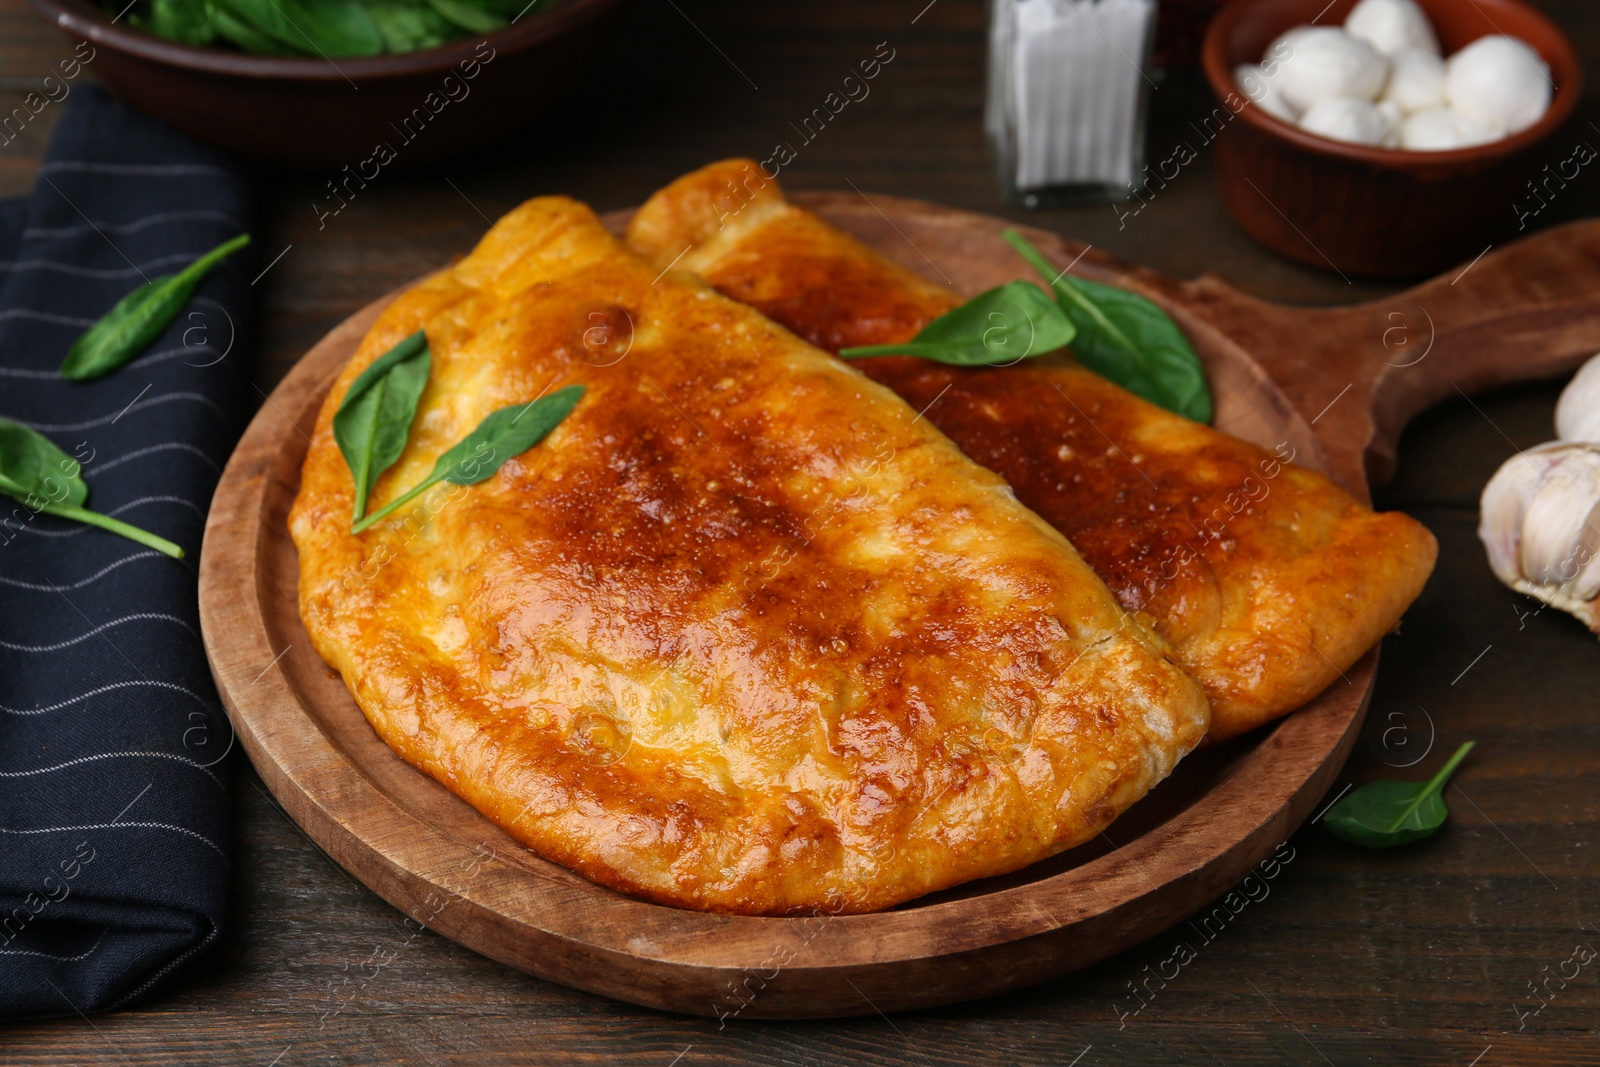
(1356, 373)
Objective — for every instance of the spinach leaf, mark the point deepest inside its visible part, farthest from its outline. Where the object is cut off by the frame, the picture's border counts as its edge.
(374, 419)
(468, 16)
(182, 20)
(244, 35)
(46, 479)
(505, 433)
(408, 26)
(1003, 326)
(1126, 338)
(138, 318)
(317, 27)
(1388, 813)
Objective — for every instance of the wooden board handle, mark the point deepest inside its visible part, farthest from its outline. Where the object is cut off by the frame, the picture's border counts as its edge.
(1526, 311)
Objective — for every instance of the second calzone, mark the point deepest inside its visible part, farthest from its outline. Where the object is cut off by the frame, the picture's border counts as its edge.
(744, 633)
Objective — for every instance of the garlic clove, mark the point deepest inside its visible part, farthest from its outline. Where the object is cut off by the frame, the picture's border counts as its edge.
(1504, 504)
(1561, 527)
(1578, 410)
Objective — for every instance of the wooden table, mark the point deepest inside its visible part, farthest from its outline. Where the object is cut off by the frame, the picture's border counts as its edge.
(1425, 955)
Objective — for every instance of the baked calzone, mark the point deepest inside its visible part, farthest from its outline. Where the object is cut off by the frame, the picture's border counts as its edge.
(1267, 578)
(744, 633)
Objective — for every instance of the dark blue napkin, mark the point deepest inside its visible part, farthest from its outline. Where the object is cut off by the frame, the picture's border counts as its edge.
(113, 744)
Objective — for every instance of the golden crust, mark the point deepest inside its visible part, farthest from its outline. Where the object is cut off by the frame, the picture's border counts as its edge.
(1267, 579)
(742, 633)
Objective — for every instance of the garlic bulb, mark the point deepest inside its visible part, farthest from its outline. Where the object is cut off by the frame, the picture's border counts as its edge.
(1578, 411)
(1539, 521)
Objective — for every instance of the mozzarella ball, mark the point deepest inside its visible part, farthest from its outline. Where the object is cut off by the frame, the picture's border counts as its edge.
(1345, 118)
(1263, 91)
(1440, 129)
(1498, 81)
(1325, 62)
(1390, 26)
(1395, 118)
(1416, 80)
(1283, 47)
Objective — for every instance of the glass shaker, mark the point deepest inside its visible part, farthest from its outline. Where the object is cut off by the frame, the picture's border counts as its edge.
(1068, 94)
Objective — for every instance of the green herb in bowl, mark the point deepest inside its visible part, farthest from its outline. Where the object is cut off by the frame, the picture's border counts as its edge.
(325, 28)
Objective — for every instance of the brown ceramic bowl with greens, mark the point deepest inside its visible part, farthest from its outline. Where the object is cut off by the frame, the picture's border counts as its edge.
(344, 110)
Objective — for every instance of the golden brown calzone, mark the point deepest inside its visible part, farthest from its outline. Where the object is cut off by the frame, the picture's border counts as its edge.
(743, 633)
(1267, 578)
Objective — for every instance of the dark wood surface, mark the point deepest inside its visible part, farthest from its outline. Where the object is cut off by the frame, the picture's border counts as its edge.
(1424, 955)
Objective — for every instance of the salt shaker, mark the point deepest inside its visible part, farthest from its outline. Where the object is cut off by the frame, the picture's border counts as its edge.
(1068, 92)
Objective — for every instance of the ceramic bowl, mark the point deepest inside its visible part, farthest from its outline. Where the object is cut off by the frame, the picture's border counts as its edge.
(1382, 212)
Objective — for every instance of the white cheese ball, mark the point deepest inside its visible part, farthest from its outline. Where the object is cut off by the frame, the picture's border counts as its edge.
(1441, 129)
(1345, 118)
(1325, 62)
(1395, 118)
(1390, 26)
(1416, 80)
(1263, 91)
(1498, 81)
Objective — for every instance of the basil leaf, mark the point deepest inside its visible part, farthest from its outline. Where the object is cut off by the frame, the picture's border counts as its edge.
(45, 479)
(468, 16)
(321, 27)
(1003, 326)
(138, 318)
(508, 432)
(1388, 813)
(374, 419)
(31, 463)
(1128, 339)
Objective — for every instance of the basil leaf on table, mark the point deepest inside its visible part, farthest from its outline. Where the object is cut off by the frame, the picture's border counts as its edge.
(1003, 326)
(1388, 813)
(374, 419)
(1127, 339)
(45, 479)
(468, 16)
(138, 318)
(508, 432)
